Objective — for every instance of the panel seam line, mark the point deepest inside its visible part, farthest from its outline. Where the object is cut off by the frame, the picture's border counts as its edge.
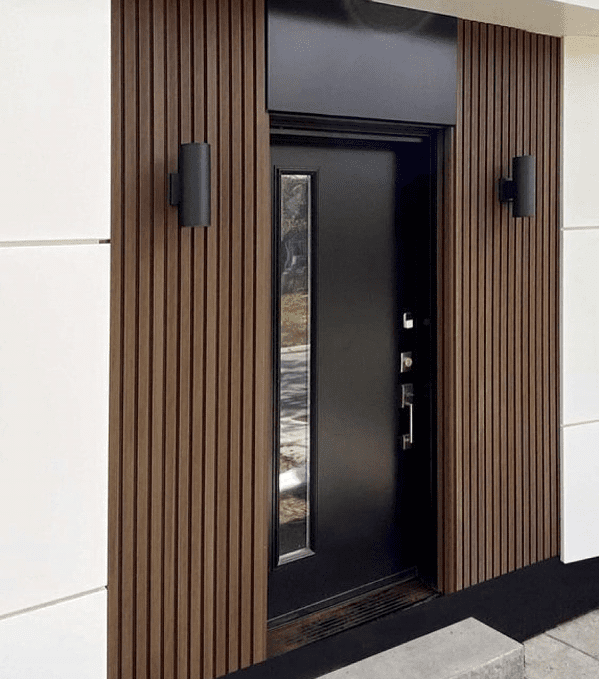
(54, 602)
(52, 242)
(566, 643)
(576, 424)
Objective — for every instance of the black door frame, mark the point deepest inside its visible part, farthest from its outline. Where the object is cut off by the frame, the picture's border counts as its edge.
(297, 127)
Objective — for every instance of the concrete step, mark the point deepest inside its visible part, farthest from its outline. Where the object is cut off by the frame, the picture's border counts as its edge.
(467, 650)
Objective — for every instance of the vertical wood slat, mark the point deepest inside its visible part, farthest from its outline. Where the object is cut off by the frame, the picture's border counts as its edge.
(447, 530)
(539, 264)
(457, 293)
(248, 352)
(518, 324)
(158, 339)
(198, 130)
(487, 232)
(465, 327)
(503, 255)
(498, 320)
(130, 345)
(471, 321)
(116, 353)
(222, 178)
(527, 41)
(496, 143)
(171, 403)
(512, 303)
(262, 335)
(547, 183)
(144, 331)
(190, 329)
(481, 272)
(210, 365)
(555, 153)
(186, 361)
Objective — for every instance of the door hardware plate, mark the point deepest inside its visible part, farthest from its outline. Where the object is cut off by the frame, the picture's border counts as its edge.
(408, 321)
(406, 361)
(407, 395)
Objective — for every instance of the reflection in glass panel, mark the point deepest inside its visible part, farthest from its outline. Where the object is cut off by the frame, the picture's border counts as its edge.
(294, 377)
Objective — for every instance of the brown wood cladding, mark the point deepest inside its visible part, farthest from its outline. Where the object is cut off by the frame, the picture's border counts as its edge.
(498, 292)
(190, 328)
(190, 332)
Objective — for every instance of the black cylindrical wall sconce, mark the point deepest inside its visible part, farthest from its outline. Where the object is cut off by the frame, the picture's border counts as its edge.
(189, 188)
(520, 190)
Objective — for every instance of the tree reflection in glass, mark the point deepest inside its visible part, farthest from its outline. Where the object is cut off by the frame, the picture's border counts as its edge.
(294, 378)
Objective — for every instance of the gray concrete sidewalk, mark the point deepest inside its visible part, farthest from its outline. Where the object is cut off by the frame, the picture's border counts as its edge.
(471, 650)
(569, 651)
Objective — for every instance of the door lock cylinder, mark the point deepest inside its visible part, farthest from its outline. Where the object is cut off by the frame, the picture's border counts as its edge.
(406, 361)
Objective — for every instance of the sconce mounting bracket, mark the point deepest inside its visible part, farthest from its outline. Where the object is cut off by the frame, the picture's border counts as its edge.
(507, 190)
(174, 189)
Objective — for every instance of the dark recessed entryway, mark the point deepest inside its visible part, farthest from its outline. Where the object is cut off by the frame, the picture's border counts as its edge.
(352, 506)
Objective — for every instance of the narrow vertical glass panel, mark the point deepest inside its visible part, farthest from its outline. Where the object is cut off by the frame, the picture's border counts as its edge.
(294, 367)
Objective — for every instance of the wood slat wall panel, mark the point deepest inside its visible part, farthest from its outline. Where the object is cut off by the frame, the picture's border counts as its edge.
(190, 329)
(498, 364)
(190, 324)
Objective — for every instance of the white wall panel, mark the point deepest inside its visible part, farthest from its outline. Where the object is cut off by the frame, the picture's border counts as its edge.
(54, 315)
(580, 492)
(580, 320)
(65, 641)
(55, 119)
(580, 132)
(579, 300)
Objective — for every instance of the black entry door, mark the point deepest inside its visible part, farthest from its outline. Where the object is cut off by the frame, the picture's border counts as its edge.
(351, 488)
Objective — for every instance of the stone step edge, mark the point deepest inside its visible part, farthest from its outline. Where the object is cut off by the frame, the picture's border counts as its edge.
(468, 649)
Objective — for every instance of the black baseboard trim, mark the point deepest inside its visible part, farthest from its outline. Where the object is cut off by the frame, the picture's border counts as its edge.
(520, 604)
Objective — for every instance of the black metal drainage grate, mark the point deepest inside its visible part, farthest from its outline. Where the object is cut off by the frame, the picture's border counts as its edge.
(356, 611)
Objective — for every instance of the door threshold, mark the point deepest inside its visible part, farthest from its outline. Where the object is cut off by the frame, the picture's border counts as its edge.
(285, 635)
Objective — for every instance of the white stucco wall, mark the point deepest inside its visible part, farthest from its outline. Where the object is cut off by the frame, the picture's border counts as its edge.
(54, 299)
(580, 300)
(54, 304)
(54, 119)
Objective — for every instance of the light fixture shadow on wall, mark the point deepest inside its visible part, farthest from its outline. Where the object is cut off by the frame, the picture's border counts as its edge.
(520, 190)
(189, 188)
